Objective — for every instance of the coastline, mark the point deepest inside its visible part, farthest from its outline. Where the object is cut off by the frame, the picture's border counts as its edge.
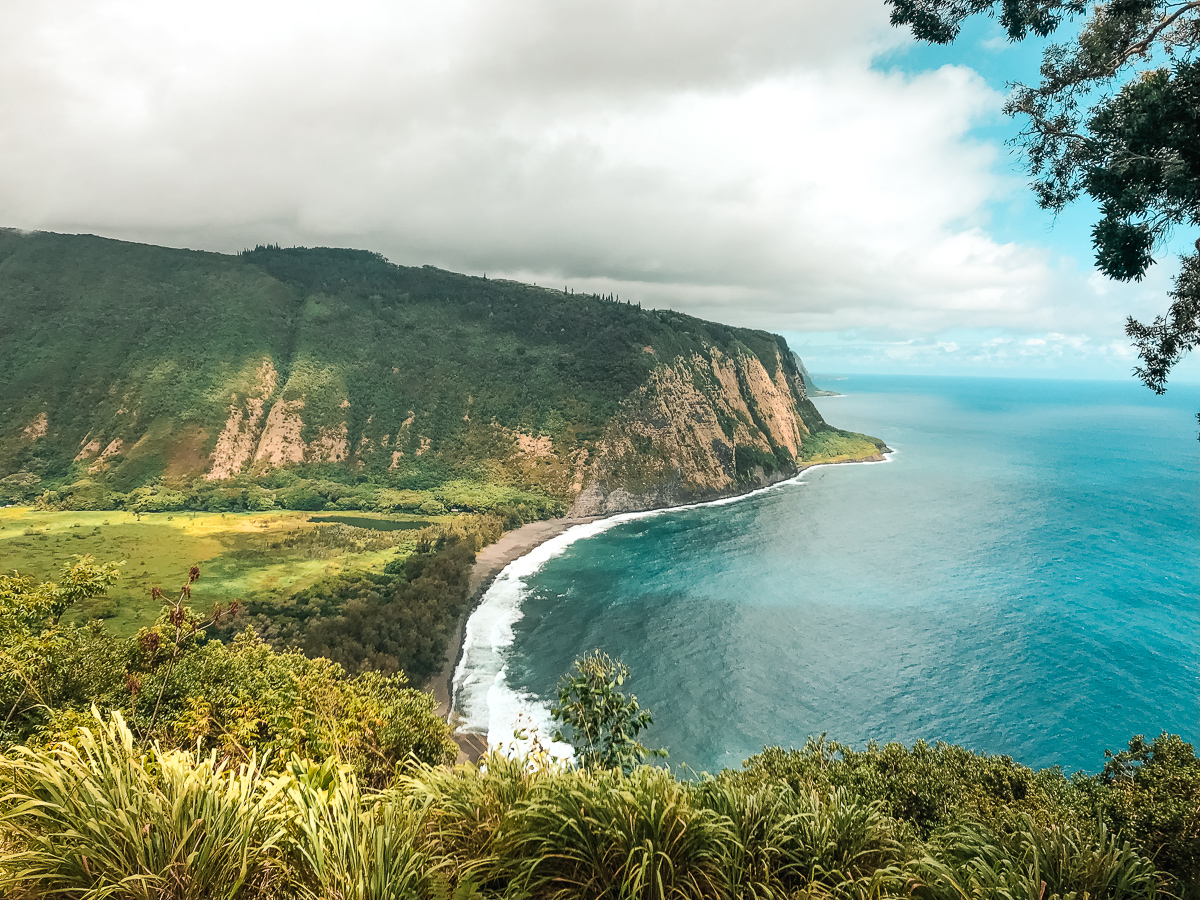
(490, 562)
(495, 558)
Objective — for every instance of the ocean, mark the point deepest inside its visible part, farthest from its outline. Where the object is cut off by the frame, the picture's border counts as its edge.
(1022, 577)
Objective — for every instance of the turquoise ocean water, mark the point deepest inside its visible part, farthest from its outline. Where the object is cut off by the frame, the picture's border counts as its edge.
(1021, 577)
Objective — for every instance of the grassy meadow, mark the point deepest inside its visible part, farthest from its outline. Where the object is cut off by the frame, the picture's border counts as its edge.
(260, 556)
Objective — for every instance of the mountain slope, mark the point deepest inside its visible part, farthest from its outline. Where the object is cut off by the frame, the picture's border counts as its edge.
(310, 378)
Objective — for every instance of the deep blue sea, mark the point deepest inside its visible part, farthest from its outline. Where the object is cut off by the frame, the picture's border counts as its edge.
(1021, 577)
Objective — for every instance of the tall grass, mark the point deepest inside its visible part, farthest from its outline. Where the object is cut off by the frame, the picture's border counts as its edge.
(346, 846)
(98, 818)
(101, 819)
(471, 813)
(808, 843)
(604, 834)
(1036, 862)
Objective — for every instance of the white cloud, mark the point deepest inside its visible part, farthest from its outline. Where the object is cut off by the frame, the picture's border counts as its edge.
(740, 162)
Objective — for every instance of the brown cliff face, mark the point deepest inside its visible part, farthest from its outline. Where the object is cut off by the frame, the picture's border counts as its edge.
(702, 427)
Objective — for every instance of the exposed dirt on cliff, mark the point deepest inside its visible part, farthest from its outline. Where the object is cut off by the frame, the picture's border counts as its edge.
(678, 438)
(89, 449)
(240, 437)
(281, 443)
(37, 428)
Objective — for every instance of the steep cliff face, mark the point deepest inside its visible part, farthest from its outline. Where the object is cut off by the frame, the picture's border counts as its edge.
(327, 378)
(703, 426)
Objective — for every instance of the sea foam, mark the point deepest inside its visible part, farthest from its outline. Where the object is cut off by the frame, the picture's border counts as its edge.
(482, 697)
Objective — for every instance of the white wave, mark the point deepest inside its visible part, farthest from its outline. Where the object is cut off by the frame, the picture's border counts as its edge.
(481, 694)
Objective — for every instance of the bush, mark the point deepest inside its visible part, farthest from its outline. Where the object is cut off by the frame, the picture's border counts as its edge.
(178, 689)
(1152, 796)
(301, 497)
(604, 834)
(342, 843)
(259, 500)
(155, 498)
(601, 723)
(929, 786)
(81, 495)
(20, 487)
(1038, 861)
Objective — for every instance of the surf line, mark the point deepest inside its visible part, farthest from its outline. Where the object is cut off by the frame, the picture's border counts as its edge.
(480, 694)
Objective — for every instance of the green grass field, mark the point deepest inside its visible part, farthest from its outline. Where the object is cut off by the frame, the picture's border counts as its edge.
(240, 555)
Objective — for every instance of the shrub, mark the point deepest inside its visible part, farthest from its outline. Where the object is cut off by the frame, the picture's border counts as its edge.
(605, 834)
(344, 844)
(601, 723)
(1037, 861)
(1152, 796)
(155, 498)
(930, 786)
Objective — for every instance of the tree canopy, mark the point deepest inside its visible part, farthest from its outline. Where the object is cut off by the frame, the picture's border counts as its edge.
(1116, 117)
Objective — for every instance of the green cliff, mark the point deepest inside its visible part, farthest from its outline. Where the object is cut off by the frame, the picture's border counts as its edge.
(157, 379)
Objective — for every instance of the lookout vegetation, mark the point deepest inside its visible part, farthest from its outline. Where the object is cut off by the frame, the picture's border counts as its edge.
(169, 765)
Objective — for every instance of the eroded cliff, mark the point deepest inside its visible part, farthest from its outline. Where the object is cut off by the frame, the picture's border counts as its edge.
(158, 379)
(703, 426)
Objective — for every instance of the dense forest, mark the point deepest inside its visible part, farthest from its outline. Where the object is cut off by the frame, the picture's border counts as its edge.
(397, 620)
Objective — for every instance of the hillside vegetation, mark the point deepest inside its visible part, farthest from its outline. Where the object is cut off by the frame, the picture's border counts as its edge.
(154, 379)
(171, 766)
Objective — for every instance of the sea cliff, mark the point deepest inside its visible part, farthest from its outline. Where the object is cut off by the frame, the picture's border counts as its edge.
(153, 379)
(704, 426)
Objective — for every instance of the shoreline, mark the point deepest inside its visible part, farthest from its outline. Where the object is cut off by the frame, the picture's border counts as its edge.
(496, 557)
(489, 563)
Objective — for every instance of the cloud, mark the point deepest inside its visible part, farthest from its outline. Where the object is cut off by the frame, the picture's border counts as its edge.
(740, 162)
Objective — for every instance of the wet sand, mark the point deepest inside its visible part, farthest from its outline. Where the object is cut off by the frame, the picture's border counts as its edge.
(490, 562)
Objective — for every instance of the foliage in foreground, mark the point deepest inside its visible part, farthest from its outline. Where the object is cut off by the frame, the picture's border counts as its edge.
(103, 817)
(1114, 117)
(179, 690)
(601, 723)
(240, 772)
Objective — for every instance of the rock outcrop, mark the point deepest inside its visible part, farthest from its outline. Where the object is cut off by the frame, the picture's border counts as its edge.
(702, 427)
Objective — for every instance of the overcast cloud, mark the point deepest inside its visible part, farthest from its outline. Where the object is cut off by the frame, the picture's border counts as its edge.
(742, 162)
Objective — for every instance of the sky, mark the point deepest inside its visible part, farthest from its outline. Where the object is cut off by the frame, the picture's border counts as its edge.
(795, 165)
